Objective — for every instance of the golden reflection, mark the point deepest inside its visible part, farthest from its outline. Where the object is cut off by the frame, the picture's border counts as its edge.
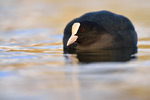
(46, 44)
(144, 58)
(144, 49)
(37, 50)
(50, 74)
(144, 39)
(139, 92)
(144, 46)
(36, 63)
(54, 51)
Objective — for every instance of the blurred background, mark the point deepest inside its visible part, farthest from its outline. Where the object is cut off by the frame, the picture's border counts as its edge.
(55, 14)
(32, 63)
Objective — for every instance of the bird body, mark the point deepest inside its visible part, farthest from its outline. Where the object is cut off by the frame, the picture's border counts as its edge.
(99, 30)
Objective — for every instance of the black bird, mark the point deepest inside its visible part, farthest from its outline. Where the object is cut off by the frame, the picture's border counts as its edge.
(98, 31)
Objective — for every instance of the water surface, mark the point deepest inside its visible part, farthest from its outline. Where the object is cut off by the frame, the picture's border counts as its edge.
(33, 66)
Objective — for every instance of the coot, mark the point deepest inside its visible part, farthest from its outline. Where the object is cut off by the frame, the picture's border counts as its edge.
(99, 30)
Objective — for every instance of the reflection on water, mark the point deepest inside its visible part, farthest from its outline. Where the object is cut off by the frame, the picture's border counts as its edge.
(116, 55)
(33, 66)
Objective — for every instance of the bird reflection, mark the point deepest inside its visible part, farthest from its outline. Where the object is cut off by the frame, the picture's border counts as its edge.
(109, 55)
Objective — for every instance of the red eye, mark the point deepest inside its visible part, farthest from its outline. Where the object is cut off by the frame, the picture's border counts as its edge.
(82, 29)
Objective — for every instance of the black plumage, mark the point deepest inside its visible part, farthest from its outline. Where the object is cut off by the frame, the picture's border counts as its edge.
(101, 30)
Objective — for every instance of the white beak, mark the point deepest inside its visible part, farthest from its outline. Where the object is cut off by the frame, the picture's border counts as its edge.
(73, 37)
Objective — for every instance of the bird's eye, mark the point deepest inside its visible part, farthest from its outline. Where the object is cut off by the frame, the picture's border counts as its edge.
(82, 29)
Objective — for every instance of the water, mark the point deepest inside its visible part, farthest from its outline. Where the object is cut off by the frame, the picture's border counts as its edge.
(33, 66)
